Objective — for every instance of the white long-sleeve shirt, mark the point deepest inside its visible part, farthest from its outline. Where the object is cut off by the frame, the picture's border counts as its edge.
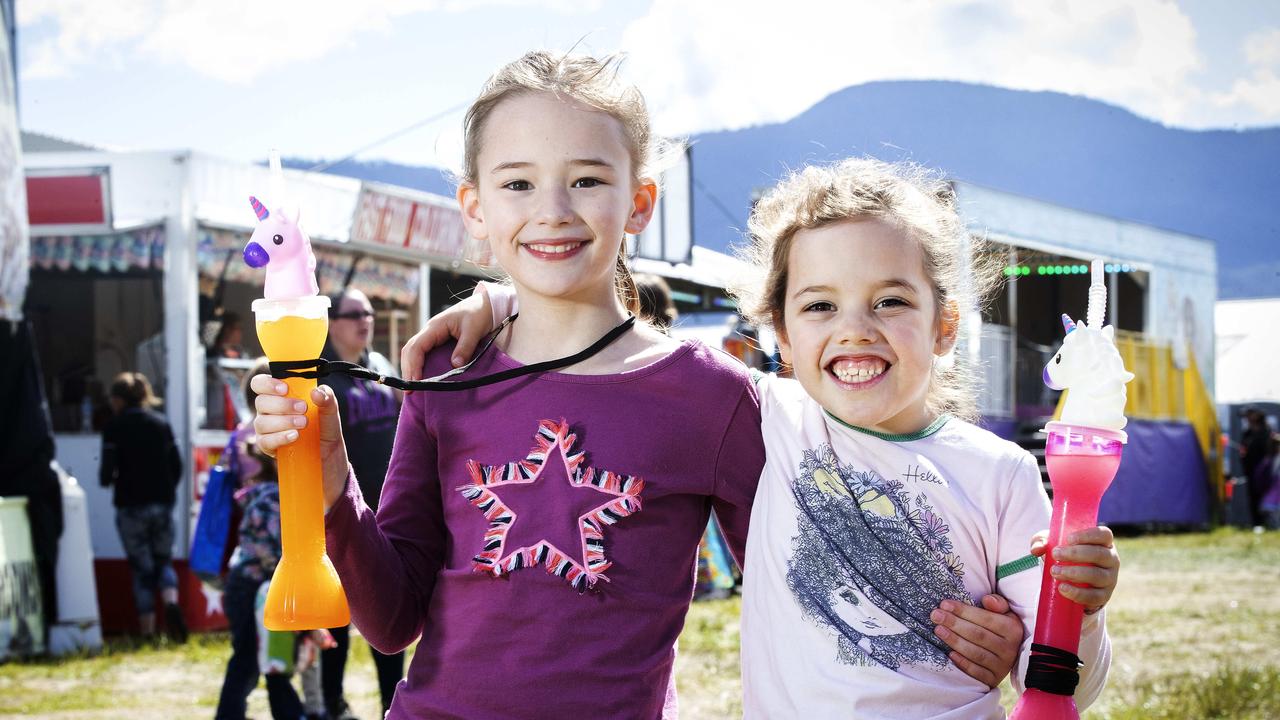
(856, 536)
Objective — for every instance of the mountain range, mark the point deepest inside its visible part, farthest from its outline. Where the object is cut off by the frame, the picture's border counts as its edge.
(1223, 185)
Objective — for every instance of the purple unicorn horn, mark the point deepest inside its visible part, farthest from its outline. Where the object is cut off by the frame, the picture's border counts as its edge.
(259, 208)
(1067, 324)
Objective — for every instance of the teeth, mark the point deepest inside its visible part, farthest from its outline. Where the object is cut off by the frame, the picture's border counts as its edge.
(858, 371)
(557, 249)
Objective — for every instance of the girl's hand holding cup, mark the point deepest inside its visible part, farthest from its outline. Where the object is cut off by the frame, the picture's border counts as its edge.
(279, 418)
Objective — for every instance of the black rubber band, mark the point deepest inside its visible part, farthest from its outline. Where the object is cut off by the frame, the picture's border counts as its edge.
(321, 368)
(1053, 670)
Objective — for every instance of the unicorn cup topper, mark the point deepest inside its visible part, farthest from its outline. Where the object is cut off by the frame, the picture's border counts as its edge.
(1090, 366)
(280, 245)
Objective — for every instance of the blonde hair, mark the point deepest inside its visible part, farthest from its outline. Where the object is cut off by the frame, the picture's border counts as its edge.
(961, 269)
(134, 390)
(592, 82)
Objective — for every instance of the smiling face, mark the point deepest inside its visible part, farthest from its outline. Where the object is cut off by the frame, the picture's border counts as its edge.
(554, 194)
(861, 324)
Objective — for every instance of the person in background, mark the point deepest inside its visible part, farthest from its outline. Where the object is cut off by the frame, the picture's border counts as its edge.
(1253, 450)
(141, 460)
(230, 337)
(254, 560)
(369, 414)
(656, 306)
(1267, 478)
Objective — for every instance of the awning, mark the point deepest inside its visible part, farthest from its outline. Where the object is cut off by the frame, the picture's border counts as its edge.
(141, 249)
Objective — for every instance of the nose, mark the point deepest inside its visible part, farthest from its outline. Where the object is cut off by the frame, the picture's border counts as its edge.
(1048, 380)
(255, 256)
(856, 328)
(555, 208)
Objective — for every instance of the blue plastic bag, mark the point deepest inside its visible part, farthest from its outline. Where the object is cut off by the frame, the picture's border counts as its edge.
(213, 528)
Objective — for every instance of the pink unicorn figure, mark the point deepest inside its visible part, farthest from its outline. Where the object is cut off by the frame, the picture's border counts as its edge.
(280, 244)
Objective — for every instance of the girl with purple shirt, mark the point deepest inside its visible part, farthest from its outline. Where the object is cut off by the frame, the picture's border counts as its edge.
(540, 535)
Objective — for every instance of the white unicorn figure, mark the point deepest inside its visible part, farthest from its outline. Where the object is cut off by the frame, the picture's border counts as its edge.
(1090, 366)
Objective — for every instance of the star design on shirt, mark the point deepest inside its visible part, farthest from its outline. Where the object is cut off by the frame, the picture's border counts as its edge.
(606, 496)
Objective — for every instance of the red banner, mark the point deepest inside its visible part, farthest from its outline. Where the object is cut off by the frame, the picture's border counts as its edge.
(73, 199)
(397, 221)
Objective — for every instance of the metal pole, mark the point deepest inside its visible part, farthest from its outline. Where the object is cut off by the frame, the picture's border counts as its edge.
(424, 295)
(1013, 332)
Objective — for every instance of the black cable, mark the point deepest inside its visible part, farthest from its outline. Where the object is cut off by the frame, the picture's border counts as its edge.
(715, 201)
(1053, 670)
(440, 383)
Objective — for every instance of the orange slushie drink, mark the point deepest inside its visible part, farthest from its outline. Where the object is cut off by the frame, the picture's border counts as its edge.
(305, 592)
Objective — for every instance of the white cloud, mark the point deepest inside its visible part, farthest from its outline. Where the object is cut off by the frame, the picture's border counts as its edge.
(721, 63)
(1262, 48)
(707, 65)
(230, 40)
(1259, 93)
(84, 29)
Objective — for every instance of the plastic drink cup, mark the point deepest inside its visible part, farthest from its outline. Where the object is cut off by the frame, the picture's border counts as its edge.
(1082, 463)
(305, 592)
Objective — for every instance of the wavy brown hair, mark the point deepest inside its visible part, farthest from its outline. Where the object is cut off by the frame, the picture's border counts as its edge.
(961, 269)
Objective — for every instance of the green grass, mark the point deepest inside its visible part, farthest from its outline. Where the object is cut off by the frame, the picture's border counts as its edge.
(1194, 625)
(1229, 693)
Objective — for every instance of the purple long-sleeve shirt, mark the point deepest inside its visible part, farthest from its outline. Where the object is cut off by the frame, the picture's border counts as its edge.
(541, 534)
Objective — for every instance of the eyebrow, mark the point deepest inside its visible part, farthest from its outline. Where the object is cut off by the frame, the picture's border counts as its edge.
(522, 164)
(889, 283)
(899, 283)
(813, 289)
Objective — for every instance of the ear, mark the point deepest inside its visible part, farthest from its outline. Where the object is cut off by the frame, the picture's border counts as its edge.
(948, 329)
(643, 202)
(472, 215)
(1109, 332)
(293, 214)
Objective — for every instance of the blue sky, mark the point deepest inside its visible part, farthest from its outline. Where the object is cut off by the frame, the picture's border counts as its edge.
(320, 78)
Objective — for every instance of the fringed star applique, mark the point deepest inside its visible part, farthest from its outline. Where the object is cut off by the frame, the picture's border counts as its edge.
(557, 519)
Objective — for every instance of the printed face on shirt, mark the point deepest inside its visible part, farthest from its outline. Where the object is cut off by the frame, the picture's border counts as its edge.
(554, 195)
(861, 327)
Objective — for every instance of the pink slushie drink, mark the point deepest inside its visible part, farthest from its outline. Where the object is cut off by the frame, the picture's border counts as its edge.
(1082, 454)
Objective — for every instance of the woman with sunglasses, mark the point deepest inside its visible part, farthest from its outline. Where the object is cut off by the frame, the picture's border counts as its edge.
(369, 412)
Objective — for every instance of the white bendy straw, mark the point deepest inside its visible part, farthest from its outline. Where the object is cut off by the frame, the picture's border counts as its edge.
(1097, 297)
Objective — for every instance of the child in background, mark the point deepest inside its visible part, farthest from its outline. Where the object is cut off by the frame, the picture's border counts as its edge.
(251, 566)
(879, 499)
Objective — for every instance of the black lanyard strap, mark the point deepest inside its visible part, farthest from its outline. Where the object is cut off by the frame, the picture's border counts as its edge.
(321, 368)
